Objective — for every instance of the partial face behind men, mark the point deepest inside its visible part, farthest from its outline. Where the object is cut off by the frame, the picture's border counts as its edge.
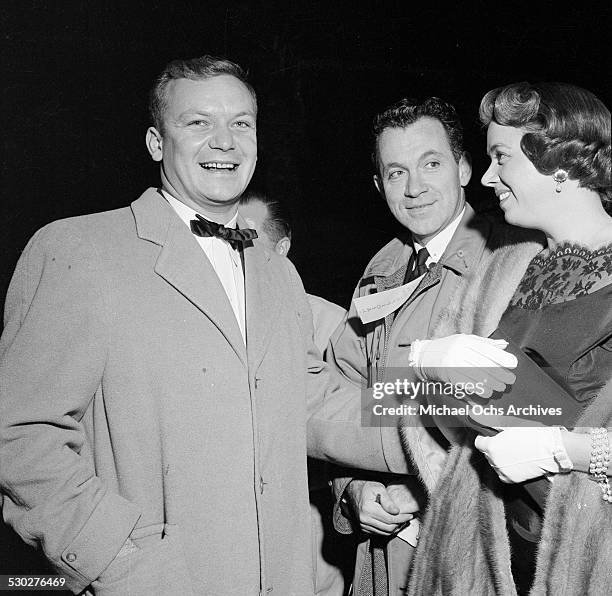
(420, 178)
(256, 213)
(208, 147)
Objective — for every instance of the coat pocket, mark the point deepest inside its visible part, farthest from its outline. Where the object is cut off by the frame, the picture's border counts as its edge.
(158, 566)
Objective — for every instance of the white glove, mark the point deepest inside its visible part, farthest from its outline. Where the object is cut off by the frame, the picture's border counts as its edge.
(462, 358)
(519, 454)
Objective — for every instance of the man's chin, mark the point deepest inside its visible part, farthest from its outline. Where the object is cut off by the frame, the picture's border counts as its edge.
(226, 196)
(417, 228)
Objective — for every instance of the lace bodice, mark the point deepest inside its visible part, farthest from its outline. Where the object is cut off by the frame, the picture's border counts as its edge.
(565, 273)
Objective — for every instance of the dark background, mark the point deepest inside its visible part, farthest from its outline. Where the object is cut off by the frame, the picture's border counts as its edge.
(75, 76)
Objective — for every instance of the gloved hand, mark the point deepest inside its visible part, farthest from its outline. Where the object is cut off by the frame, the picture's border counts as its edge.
(519, 454)
(463, 358)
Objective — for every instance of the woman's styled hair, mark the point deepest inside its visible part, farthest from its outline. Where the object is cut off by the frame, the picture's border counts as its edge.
(566, 127)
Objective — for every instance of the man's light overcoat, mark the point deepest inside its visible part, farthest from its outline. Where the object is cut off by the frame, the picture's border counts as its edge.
(130, 406)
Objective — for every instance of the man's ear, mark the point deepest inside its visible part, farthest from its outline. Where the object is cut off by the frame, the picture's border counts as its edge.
(283, 246)
(465, 168)
(154, 143)
(379, 186)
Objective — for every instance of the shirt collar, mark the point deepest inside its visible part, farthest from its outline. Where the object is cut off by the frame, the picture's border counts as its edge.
(186, 213)
(438, 244)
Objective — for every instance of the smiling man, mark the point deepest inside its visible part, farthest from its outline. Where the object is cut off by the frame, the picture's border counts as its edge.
(157, 372)
(421, 171)
(205, 137)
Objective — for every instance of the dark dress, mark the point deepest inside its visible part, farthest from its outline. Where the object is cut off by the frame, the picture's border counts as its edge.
(560, 316)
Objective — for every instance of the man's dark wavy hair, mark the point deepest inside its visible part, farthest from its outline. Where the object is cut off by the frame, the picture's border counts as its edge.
(408, 110)
(195, 69)
(565, 127)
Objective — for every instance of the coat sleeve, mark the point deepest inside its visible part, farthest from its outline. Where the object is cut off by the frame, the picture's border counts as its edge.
(52, 356)
(347, 354)
(335, 429)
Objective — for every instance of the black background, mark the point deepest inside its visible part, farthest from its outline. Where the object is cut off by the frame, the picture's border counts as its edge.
(75, 76)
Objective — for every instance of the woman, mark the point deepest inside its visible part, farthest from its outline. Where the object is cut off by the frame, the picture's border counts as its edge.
(550, 169)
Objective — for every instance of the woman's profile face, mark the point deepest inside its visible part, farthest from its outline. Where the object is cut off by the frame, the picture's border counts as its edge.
(525, 195)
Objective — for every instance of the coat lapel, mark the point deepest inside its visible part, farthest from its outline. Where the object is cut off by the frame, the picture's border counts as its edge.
(184, 266)
(262, 301)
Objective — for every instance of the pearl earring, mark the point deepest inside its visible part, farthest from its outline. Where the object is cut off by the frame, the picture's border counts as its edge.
(560, 176)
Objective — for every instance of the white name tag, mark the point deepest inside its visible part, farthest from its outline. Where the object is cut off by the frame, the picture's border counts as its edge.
(378, 306)
(410, 533)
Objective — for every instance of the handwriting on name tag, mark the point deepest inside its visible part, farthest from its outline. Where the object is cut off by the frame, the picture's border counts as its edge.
(378, 306)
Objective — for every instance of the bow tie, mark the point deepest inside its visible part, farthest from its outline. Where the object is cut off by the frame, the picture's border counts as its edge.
(205, 228)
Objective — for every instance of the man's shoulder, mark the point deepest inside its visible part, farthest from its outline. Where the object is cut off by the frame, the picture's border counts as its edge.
(387, 259)
(103, 223)
(98, 234)
(106, 227)
(317, 303)
(89, 221)
(70, 232)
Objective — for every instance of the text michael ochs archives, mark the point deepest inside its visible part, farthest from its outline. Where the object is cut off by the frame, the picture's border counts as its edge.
(453, 404)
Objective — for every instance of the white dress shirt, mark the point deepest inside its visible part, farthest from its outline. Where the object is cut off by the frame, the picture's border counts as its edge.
(225, 261)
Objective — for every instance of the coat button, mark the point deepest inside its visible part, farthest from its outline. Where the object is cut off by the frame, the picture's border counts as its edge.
(460, 253)
(71, 557)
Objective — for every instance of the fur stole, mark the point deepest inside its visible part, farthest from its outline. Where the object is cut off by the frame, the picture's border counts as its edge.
(575, 551)
(481, 299)
(464, 548)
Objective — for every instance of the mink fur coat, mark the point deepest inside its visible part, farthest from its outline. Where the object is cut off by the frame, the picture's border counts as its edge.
(464, 548)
